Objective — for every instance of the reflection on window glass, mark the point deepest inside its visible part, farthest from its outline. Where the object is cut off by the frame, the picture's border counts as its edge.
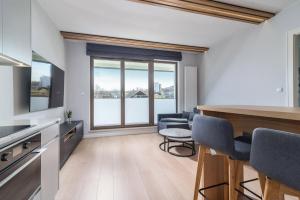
(164, 88)
(107, 93)
(40, 85)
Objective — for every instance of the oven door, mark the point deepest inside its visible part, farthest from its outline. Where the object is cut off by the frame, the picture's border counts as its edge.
(22, 179)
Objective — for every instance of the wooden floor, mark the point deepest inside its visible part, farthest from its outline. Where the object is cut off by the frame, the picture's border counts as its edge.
(126, 168)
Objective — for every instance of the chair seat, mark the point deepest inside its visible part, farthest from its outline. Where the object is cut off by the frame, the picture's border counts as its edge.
(179, 120)
(242, 148)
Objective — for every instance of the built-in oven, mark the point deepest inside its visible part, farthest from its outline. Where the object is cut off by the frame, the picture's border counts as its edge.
(20, 169)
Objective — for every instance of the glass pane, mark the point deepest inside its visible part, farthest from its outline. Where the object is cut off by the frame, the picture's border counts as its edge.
(136, 93)
(164, 88)
(40, 85)
(107, 92)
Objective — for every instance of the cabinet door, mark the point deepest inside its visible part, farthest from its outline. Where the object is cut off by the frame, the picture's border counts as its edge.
(17, 30)
(50, 170)
(49, 133)
(1, 10)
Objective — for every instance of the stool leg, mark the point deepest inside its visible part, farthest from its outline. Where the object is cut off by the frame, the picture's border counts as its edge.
(232, 179)
(271, 190)
(226, 177)
(238, 177)
(202, 151)
(262, 181)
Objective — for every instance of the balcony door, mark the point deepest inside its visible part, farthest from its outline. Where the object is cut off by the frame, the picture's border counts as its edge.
(106, 100)
(136, 84)
(129, 93)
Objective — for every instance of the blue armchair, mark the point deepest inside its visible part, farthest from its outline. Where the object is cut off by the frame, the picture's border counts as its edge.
(176, 120)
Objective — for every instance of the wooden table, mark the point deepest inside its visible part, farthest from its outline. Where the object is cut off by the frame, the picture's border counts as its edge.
(245, 119)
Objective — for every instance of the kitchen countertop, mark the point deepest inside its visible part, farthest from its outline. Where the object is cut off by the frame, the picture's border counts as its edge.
(290, 113)
(36, 125)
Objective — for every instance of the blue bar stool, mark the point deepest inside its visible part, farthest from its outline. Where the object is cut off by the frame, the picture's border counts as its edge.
(276, 154)
(217, 135)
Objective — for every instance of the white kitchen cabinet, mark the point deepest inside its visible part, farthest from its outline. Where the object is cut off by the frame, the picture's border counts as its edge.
(50, 162)
(16, 30)
(1, 2)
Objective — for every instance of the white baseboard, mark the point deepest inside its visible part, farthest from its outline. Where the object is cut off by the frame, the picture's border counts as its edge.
(120, 131)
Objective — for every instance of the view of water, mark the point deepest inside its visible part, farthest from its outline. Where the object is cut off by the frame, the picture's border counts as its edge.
(39, 103)
(108, 111)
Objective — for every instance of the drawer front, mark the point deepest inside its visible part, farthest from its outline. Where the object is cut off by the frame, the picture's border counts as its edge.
(49, 133)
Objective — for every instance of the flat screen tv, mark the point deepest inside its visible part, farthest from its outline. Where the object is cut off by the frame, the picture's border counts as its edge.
(47, 85)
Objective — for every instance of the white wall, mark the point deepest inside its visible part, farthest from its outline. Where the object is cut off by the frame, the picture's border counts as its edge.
(78, 79)
(46, 41)
(188, 60)
(250, 66)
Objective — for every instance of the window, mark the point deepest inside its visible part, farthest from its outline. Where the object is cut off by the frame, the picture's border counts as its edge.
(164, 88)
(136, 93)
(127, 93)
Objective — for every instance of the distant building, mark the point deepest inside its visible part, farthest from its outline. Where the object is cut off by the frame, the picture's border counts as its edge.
(45, 81)
(157, 87)
(139, 94)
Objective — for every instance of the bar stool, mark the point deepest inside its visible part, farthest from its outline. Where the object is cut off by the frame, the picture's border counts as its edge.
(277, 155)
(217, 134)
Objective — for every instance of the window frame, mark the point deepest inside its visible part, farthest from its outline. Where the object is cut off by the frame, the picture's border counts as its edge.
(122, 88)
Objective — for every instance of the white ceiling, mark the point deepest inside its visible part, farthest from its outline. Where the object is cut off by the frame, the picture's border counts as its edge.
(265, 5)
(126, 19)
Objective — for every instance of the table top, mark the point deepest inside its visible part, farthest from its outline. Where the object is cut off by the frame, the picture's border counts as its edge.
(290, 113)
(176, 133)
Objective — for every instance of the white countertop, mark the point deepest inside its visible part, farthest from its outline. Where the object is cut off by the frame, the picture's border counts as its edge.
(37, 125)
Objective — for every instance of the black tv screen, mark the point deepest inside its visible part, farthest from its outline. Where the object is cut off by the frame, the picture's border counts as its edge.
(47, 85)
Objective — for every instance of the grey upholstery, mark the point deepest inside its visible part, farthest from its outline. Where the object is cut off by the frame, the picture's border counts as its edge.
(175, 120)
(180, 120)
(217, 133)
(277, 155)
(170, 115)
(164, 125)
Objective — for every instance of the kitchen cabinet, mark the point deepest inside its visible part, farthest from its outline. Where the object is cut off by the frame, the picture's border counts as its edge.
(70, 136)
(1, 22)
(16, 30)
(50, 162)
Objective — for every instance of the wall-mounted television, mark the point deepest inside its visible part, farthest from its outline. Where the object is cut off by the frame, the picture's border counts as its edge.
(47, 84)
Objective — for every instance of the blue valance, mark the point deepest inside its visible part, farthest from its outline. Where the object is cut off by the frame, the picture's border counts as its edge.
(120, 52)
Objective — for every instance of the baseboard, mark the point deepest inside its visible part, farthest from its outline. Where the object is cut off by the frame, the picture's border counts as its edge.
(120, 132)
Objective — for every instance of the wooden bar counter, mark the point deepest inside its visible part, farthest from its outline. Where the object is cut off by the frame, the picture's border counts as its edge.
(245, 119)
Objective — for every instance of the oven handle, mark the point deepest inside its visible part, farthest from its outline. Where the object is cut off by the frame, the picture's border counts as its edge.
(17, 171)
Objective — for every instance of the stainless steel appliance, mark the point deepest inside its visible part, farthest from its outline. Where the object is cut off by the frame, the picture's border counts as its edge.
(20, 169)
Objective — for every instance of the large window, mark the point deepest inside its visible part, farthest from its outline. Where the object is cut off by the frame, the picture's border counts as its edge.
(126, 93)
(164, 88)
(107, 93)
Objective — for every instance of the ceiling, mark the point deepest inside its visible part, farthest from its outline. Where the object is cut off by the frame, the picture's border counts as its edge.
(126, 19)
(265, 5)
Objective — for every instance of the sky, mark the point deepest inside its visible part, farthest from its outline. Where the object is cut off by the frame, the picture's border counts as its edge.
(40, 69)
(110, 78)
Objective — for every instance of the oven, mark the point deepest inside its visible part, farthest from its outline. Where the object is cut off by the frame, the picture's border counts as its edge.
(20, 169)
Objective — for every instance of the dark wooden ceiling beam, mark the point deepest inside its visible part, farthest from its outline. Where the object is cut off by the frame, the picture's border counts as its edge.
(132, 43)
(214, 8)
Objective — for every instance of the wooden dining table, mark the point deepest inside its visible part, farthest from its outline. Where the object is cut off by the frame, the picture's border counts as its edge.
(244, 120)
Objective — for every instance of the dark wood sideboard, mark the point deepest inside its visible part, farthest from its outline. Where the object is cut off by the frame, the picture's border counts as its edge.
(70, 136)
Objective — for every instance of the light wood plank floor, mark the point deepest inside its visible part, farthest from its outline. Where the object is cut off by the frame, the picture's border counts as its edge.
(126, 168)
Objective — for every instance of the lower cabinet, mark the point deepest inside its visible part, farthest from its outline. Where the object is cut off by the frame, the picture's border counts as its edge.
(50, 163)
(70, 136)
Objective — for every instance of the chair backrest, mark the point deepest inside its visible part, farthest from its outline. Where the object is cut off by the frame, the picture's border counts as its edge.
(277, 155)
(215, 133)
